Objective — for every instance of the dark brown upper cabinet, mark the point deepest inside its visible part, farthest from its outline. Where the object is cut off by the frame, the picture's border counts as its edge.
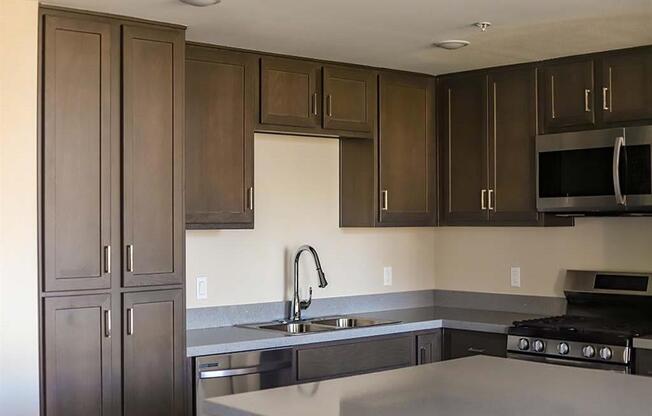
(77, 355)
(79, 84)
(220, 95)
(348, 99)
(154, 352)
(290, 92)
(626, 93)
(567, 94)
(153, 129)
(406, 142)
(463, 144)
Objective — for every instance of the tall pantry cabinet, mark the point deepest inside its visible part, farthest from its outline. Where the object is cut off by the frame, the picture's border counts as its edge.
(111, 216)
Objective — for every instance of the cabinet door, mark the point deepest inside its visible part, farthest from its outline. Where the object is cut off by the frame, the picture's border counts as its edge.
(567, 97)
(407, 150)
(463, 140)
(219, 138)
(153, 116)
(643, 362)
(77, 139)
(349, 99)
(429, 348)
(459, 344)
(627, 86)
(77, 355)
(290, 92)
(153, 379)
(511, 198)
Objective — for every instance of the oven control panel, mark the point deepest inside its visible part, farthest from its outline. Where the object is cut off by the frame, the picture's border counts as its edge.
(615, 354)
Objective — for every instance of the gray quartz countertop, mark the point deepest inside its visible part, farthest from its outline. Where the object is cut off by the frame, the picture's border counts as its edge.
(483, 386)
(234, 339)
(644, 343)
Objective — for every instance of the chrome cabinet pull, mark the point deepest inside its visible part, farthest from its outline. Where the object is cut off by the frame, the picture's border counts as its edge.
(491, 192)
(552, 96)
(130, 258)
(587, 107)
(107, 323)
(250, 198)
(605, 105)
(385, 206)
(476, 350)
(483, 193)
(314, 104)
(107, 259)
(130, 321)
(329, 103)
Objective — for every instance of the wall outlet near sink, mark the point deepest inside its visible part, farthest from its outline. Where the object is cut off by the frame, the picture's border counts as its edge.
(387, 275)
(202, 288)
(515, 275)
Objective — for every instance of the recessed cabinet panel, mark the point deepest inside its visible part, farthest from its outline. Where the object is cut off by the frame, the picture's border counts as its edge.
(290, 92)
(407, 150)
(349, 99)
(77, 355)
(219, 138)
(626, 93)
(76, 154)
(153, 149)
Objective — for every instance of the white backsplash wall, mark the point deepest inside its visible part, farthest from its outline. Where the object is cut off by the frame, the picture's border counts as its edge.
(479, 259)
(297, 201)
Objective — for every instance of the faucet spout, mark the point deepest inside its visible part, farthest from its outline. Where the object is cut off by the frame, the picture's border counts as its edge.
(297, 304)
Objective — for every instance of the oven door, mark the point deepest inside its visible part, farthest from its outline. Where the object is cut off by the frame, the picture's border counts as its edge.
(569, 363)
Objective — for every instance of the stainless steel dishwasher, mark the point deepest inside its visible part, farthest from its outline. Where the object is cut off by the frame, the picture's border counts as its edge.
(220, 375)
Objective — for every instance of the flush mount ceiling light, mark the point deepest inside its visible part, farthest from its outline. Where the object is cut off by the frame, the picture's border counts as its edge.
(200, 3)
(452, 44)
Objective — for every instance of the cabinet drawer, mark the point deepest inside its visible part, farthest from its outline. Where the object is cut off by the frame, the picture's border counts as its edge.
(458, 344)
(360, 357)
(644, 362)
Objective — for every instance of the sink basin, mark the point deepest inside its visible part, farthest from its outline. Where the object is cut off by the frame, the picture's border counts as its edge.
(317, 325)
(341, 323)
(294, 328)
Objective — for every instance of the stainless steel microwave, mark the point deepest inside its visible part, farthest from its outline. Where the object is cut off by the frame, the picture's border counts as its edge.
(595, 172)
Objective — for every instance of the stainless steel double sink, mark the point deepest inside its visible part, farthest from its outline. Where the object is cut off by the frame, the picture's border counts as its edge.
(318, 325)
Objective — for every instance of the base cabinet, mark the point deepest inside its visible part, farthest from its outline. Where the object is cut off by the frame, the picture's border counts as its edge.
(643, 362)
(429, 348)
(459, 344)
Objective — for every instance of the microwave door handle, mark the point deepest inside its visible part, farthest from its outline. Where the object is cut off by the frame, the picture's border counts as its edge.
(618, 145)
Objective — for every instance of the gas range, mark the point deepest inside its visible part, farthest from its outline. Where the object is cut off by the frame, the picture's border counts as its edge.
(606, 311)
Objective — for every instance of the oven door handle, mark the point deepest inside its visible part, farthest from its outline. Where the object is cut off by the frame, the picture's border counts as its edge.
(241, 371)
(568, 363)
(618, 145)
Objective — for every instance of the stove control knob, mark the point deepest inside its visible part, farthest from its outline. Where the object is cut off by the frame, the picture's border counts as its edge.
(563, 348)
(523, 344)
(606, 353)
(588, 351)
(539, 346)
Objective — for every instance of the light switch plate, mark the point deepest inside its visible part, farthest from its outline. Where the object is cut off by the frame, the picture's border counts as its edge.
(515, 275)
(202, 288)
(387, 275)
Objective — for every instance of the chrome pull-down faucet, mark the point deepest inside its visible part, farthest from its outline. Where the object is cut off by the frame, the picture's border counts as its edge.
(297, 304)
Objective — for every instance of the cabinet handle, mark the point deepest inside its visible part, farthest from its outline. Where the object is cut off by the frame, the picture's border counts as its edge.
(491, 192)
(250, 198)
(329, 103)
(107, 323)
(482, 199)
(385, 205)
(107, 259)
(552, 96)
(130, 258)
(476, 350)
(587, 107)
(130, 321)
(422, 355)
(605, 106)
(314, 104)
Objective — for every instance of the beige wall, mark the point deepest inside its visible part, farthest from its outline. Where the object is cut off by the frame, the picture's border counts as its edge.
(18, 255)
(297, 194)
(479, 259)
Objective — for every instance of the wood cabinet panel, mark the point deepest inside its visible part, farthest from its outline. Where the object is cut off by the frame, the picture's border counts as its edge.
(153, 65)
(567, 95)
(77, 356)
(153, 376)
(429, 348)
(463, 140)
(406, 150)
(220, 88)
(77, 140)
(626, 93)
(349, 98)
(459, 344)
(290, 92)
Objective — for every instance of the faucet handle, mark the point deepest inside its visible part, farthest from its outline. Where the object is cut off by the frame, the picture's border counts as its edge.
(305, 304)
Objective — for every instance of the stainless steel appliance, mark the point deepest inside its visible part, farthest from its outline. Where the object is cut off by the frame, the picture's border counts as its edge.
(606, 310)
(595, 172)
(220, 375)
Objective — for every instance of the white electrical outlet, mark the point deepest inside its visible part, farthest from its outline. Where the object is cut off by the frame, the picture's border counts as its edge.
(515, 275)
(387, 275)
(202, 288)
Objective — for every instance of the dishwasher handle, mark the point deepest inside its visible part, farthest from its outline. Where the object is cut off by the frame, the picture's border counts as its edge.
(241, 371)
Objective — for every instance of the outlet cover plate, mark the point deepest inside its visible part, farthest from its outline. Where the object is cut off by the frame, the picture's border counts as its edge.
(202, 288)
(387, 275)
(515, 275)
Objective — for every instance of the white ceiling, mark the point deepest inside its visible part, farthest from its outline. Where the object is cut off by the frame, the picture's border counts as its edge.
(399, 34)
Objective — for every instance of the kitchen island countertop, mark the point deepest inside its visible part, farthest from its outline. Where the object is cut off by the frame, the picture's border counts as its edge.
(482, 386)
